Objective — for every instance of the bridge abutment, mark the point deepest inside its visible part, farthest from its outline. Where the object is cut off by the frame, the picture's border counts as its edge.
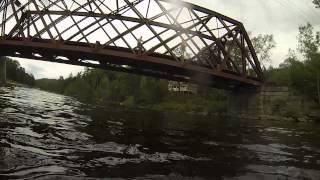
(274, 103)
(246, 103)
(3, 70)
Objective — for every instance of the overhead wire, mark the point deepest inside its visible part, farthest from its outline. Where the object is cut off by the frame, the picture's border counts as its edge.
(285, 7)
(302, 10)
(310, 8)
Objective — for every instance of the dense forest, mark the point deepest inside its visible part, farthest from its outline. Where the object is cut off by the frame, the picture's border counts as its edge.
(16, 73)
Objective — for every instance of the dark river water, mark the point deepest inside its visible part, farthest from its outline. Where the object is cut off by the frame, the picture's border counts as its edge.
(49, 136)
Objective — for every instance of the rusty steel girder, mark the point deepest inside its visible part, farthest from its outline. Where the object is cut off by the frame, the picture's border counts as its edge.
(163, 38)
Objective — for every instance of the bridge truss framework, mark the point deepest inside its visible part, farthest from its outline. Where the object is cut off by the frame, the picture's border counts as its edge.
(163, 38)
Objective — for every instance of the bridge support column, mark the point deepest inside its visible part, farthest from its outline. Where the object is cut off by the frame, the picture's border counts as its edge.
(271, 102)
(246, 103)
(3, 70)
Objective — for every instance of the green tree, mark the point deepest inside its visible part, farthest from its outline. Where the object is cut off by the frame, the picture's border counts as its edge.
(263, 45)
(302, 75)
(309, 41)
(317, 3)
(79, 89)
(17, 73)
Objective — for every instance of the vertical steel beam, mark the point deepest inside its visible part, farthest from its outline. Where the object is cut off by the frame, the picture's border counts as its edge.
(3, 70)
(4, 18)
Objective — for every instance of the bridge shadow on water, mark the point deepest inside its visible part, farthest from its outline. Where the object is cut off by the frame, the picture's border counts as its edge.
(49, 136)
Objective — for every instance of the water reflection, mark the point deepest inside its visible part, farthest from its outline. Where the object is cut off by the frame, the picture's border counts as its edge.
(49, 136)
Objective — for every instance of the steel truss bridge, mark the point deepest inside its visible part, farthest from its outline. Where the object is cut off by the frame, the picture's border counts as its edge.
(162, 38)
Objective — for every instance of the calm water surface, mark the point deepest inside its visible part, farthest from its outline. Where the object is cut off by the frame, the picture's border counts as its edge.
(50, 136)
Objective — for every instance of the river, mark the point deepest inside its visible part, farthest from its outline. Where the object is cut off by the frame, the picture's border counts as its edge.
(50, 136)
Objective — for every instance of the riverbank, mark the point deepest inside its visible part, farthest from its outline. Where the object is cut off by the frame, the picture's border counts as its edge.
(185, 103)
(12, 84)
(272, 103)
(103, 87)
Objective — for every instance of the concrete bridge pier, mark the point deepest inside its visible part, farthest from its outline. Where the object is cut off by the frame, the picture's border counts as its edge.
(267, 100)
(246, 103)
(3, 70)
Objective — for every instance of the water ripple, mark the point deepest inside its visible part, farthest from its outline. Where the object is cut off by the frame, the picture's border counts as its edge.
(49, 136)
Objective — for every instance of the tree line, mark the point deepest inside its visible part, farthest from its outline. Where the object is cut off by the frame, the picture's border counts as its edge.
(99, 86)
(16, 73)
(301, 69)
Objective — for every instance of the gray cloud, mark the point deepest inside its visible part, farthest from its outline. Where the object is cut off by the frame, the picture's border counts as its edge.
(281, 18)
(35, 70)
(42, 69)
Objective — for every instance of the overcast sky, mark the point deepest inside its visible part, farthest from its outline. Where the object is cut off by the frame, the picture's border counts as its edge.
(278, 17)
